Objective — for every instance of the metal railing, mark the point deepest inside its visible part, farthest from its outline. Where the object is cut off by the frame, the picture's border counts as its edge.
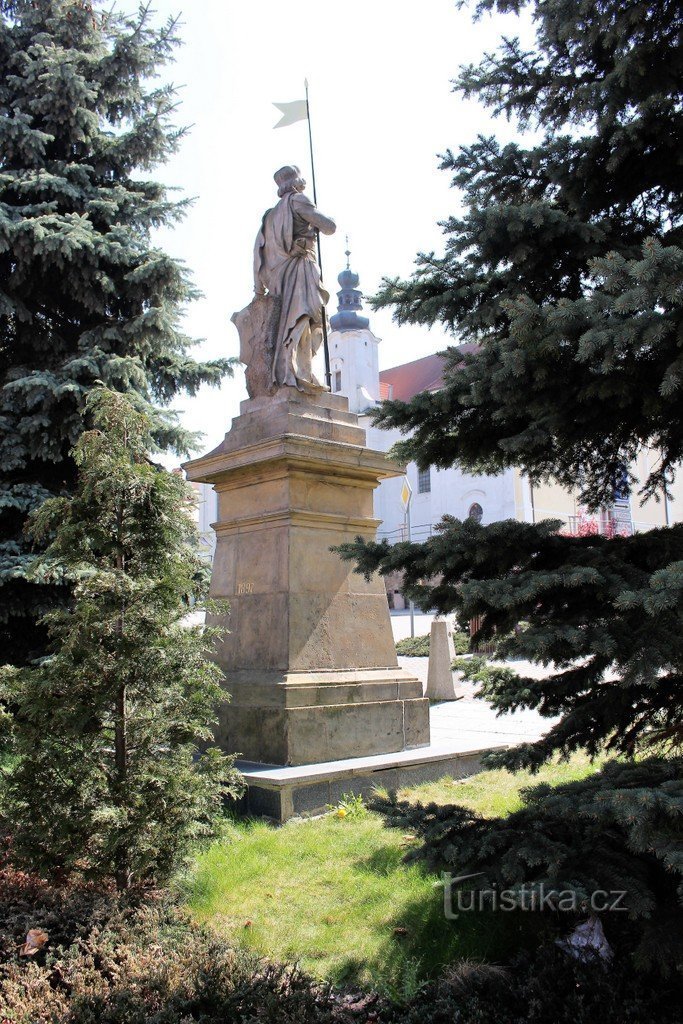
(607, 523)
(418, 533)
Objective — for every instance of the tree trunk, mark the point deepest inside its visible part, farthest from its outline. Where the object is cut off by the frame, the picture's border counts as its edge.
(121, 756)
(121, 866)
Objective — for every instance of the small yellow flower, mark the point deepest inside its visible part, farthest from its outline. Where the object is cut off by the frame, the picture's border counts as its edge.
(341, 813)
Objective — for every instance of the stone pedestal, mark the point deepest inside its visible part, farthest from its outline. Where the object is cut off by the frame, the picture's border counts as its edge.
(309, 656)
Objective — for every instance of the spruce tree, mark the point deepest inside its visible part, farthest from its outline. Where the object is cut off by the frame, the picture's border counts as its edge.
(85, 294)
(566, 268)
(604, 615)
(565, 264)
(111, 776)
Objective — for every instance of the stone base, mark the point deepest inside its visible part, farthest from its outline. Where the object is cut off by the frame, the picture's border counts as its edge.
(301, 718)
(306, 649)
(283, 793)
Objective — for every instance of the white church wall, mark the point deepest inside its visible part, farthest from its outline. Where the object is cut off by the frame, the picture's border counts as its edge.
(207, 514)
(354, 356)
(451, 492)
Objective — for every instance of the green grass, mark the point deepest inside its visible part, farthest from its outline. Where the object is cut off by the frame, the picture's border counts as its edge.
(335, 895)
(498, 793)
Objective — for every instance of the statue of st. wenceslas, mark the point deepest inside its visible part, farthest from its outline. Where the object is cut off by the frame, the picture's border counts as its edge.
(285, 267)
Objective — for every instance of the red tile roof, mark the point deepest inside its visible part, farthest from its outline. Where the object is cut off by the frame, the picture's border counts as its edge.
(426, 374)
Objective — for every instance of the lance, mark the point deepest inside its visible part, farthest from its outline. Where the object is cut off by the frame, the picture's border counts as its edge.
(326, 346)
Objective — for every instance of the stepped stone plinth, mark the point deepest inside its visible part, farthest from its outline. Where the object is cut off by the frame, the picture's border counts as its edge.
(308, 654)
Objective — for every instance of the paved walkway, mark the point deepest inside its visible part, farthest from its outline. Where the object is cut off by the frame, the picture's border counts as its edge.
(471, 723)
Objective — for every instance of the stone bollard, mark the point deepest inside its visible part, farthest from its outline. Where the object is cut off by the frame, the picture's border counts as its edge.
(440, 685)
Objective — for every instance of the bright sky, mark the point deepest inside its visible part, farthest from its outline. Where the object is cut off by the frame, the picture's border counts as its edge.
(382, 108)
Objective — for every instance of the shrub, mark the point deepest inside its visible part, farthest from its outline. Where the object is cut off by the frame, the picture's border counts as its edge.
(414, 646)
(461, 642)
(477, 669)
(111, 959)
(547, 988)
(418, 646)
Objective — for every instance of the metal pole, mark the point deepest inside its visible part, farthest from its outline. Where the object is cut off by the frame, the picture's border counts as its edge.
(310, 143)
(412, 604)
(666, 506)
(326, 347)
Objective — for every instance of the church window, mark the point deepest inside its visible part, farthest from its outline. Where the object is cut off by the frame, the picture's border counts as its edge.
(424, 481)
(476, 512)
(621, 486)
(619, 516)
(337, 380)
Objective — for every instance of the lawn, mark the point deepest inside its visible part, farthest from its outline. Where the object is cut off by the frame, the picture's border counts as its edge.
(334, 894)
(498, 793)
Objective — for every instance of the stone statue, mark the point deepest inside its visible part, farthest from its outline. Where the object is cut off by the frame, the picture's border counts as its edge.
(286, 273)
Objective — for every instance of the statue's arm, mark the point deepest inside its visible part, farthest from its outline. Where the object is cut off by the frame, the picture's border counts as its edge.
(313, 216)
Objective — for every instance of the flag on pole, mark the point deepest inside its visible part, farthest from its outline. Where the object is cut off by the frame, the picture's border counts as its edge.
(291, 112)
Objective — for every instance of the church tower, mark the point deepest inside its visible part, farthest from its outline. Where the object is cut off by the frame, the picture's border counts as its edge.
(353, 347)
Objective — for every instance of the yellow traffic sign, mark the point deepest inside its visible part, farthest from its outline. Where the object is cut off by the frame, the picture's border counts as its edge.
(406, 493)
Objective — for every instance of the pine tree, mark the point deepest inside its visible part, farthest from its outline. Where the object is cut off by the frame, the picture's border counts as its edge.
(85, 295)
(605, 613)
(573, 374)
(566, 268)
(107, 778)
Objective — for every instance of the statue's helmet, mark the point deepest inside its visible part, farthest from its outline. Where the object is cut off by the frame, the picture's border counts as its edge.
(287, 178)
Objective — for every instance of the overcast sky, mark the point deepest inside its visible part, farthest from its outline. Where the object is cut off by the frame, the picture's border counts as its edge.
(382, 108)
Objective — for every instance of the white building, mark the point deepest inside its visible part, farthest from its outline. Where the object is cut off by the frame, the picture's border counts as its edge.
(356, 374)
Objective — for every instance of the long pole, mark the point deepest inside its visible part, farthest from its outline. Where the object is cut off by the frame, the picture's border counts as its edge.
(326, 347)
(412, 603)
